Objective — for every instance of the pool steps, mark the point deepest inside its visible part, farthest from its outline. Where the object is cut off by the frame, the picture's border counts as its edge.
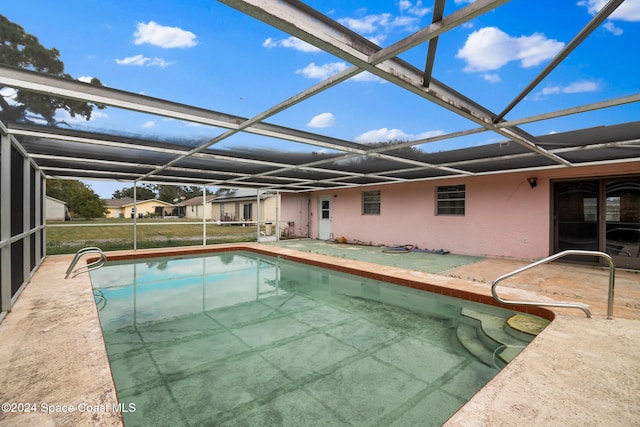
(496, 340)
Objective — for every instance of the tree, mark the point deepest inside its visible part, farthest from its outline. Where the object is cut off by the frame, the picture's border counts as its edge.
(80, 198)
(23, 50)
(223, 191)
(166, 193)
(144, 192)
(174, 193)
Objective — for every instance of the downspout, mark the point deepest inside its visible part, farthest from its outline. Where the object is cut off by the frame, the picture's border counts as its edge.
(309, 217)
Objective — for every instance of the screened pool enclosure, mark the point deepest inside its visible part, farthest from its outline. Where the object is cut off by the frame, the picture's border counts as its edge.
(261, 150)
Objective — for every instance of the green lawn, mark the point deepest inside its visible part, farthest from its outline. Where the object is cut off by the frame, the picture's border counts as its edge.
(116, 234)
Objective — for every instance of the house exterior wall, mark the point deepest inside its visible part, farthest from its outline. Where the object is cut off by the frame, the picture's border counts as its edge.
(268, 208)
(145, 207)
(294, 214)
(212, 211)
(148, 207)
(55, 210)
(114, 212)
(193, 211)
(223, 211)
(234, 210)
(504, 216)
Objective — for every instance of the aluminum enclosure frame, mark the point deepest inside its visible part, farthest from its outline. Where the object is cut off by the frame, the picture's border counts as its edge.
(202, 164)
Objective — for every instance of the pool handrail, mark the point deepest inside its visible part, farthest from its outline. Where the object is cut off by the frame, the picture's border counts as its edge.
(91, 266)
(612, 272)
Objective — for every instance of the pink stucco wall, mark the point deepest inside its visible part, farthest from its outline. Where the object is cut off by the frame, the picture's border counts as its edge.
(500, 213)
(294, 208)
(504, 216)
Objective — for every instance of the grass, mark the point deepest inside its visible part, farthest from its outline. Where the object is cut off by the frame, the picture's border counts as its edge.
(117, 234)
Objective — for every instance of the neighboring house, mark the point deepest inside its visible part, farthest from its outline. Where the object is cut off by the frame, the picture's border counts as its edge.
(237, 205)
(56, 210)
(123, 208)
(524, 214)
(242, 205)
(193, 208)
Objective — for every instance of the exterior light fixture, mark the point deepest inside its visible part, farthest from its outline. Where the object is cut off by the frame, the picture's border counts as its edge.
(533, 182)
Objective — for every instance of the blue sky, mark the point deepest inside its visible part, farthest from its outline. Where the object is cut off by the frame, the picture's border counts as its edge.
(206, 54)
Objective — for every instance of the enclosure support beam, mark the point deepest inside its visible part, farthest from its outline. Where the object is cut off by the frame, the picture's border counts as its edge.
(40, 205)
(135, 215)
(26, 219)
(579, 38)
(258, 215)
(5, 222)
(438, 12)
(307, 24)
(44, 217)
(204, 215)
(277, 228)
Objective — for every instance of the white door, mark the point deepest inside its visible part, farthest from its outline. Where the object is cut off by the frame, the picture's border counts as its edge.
(324, 218)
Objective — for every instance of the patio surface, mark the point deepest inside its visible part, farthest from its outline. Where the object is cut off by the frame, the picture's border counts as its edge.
(578, 371)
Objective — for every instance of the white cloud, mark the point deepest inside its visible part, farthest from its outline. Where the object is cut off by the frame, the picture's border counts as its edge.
(365, 25)
(9, 94)
(404, 22)
(163, 36)
(416, 9)
(581, 86)
(492, 78)
(320, 72)
(159, 62)
(323, 120)
(377, 39)
(552, 90)
(463, 1)
(490, 48)
(611, 27)
(132, 60)
(141, 60)
(385, 135)
(575, 87)
(95, 114)
(292, 43)
(404, 5)
(85, 79)
(366, 76)
(148, 124)
(628, 11)
(64, 116)
(384, 21)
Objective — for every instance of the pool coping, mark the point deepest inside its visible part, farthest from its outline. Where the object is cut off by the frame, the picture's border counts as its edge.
(574, 373)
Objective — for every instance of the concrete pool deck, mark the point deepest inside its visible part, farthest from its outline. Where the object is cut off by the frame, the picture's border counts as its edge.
(578, 371)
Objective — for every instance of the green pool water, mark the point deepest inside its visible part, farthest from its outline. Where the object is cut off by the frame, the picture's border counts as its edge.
(241, 339)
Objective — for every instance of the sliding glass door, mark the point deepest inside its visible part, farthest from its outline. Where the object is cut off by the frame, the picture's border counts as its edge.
(599, 214)
(622, 222)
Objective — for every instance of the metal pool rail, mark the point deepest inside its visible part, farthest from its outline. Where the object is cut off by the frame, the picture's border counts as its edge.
(88, 267)
(612, 272)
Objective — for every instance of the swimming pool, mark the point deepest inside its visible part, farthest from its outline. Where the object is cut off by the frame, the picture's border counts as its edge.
(241, 338)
